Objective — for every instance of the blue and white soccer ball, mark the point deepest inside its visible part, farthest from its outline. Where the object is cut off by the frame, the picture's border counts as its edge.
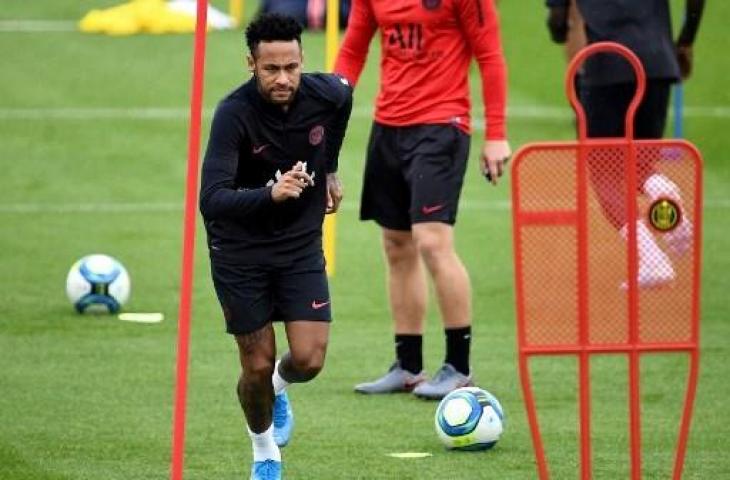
(469, 418)
(98, 283)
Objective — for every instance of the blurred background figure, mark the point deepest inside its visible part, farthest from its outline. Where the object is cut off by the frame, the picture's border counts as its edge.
(606, 87)
(311, 14)
(566, 26)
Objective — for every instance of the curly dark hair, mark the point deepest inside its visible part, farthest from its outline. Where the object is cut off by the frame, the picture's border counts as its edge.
(271, 27)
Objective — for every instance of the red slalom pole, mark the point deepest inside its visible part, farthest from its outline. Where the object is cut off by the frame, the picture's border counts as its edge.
(186, 282)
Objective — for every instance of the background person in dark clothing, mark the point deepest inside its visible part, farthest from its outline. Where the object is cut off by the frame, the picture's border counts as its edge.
(310, 13)
(268, 179)
(566, 26)
(607, 86)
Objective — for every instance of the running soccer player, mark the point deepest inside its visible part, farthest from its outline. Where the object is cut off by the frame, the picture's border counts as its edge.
(268, 179)
(417, 155)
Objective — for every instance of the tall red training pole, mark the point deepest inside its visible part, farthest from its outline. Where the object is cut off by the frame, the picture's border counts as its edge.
(186, 281)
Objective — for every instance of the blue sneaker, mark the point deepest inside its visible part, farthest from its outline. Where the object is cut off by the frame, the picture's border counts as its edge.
(266, 470)
(283, 419)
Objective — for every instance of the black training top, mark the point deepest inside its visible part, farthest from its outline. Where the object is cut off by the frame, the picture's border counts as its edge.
(252, 142)
(644, 26)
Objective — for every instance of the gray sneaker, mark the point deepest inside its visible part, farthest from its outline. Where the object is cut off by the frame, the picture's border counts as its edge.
(445, 380)
(396, 380)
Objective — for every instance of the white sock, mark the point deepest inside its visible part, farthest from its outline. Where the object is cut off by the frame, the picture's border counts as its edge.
(279, 383)
(264, 446)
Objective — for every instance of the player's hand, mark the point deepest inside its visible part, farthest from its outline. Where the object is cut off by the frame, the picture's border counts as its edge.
(334, 193)
(291, 184)
(495, 155)
(557, 23)
(684, 57)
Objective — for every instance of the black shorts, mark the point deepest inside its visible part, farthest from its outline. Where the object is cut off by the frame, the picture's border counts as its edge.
(413, 174)
(606, 105)
(252, 296)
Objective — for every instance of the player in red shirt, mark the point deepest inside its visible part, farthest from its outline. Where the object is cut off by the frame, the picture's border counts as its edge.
(417, 155)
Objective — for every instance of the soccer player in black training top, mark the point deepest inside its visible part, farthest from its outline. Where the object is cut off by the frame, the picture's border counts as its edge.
(268, 180)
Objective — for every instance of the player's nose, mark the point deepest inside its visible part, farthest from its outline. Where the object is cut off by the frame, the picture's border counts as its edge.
(282, 78)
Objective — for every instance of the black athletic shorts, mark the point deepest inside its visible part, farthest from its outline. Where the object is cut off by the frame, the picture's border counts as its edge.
(606, 106)
(251, 296)
(413, 174)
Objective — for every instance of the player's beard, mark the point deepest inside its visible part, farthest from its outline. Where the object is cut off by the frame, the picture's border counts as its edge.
(281, 96)
(276, 95)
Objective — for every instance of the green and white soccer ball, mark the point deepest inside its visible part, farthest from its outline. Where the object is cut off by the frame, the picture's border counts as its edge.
(98, 283)
(469, 418)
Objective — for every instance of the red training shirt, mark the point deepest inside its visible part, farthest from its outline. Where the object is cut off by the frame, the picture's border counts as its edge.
(426, 48)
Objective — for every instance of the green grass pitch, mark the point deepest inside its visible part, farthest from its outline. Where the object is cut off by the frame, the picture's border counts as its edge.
(93, 144)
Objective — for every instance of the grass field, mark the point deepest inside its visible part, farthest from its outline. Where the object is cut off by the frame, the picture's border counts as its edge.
(93, 138)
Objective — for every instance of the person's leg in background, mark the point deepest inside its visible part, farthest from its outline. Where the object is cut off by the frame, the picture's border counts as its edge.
(435, 244)
(606, 107)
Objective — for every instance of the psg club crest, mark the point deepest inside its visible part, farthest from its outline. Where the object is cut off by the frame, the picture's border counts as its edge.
(431, 4)
(316, 135)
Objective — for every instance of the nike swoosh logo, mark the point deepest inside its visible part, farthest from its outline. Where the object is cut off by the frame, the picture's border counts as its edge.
(411, 383)
(429, 210)
(317, 306)
(256, 150)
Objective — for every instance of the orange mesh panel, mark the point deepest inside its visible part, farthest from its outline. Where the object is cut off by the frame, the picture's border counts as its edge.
(547, 229)
(549, 250)
(549, 255)
(607, 253)
(665, 313)
(549, 182)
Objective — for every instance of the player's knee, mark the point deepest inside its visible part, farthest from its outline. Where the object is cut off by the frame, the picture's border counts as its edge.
(258, 370)
(307, 365)
(433, 249)
(399, 249)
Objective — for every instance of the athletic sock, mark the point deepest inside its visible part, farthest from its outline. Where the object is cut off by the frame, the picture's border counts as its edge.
(264, 446)
(277, 380)
(408, 351)
(458, 341)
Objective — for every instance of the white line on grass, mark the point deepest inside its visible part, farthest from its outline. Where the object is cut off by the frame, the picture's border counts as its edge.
(552, 112)
(141, 207)
(172, 207)
(182, 113)
(167, 207)
(94, 113)
(37, 26)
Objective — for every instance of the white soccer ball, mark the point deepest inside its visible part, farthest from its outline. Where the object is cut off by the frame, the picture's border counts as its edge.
(469, 418)
(98, 283)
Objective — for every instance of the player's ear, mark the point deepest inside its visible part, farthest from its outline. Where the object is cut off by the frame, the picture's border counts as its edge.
(251, 63)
